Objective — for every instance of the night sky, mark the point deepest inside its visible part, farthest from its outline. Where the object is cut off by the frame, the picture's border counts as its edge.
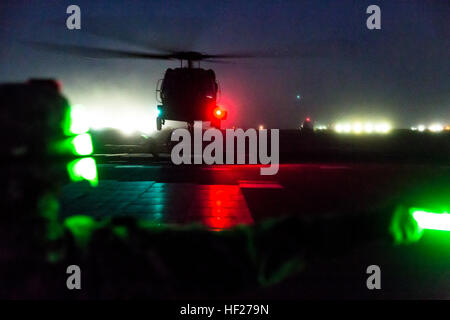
(400, 73)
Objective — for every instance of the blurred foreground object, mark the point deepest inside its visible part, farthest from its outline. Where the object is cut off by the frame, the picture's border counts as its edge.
(36, 124)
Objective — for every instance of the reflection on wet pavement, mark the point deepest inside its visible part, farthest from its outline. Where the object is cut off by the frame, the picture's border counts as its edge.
(219, 207)
(216, 206)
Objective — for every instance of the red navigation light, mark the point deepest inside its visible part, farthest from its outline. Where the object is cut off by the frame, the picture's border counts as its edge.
(308, 119)
(219, 113)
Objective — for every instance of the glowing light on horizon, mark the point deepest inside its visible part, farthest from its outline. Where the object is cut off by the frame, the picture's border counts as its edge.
(127, 122)
(346, 128)
(357, 127)
(436, 127)
(368, 127)
(382, 128)
(360, 128)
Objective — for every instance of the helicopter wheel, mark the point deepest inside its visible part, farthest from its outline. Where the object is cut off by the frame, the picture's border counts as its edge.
(159, 123)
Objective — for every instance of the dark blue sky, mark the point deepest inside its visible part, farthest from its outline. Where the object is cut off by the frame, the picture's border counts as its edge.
(400, 72)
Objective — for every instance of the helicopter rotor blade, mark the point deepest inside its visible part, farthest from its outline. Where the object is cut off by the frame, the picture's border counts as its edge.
(317, 49)
(230, 56)
(312, 50)
(94, 52)
(219, 61)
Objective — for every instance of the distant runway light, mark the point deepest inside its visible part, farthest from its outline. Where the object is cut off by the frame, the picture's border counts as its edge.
(357, 127)
(421, 128)
(346, 128)
(382, 128)
(360, 128)
(368, 127)
(436, 127)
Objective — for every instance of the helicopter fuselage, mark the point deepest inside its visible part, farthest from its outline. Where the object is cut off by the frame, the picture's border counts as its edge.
(188, 94)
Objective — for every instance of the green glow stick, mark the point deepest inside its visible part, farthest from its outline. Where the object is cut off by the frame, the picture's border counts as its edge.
(431, 220)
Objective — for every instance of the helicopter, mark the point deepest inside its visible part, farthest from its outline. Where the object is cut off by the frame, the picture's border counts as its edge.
(187, 93)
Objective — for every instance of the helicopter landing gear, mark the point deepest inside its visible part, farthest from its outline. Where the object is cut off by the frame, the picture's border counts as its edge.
(159, 122)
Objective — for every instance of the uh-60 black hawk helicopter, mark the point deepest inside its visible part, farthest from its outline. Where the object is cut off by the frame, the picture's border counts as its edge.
(187, 93)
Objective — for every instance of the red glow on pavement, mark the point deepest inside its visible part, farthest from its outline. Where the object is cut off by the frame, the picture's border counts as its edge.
(257, 184)
(220, 207)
